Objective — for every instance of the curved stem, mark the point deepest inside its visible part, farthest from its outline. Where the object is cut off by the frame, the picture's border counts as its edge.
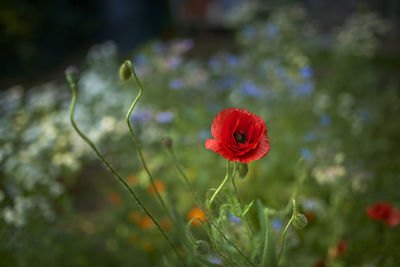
(116, 174)
(286, 229)
(139, 149)
(228, 165)
(244, 218)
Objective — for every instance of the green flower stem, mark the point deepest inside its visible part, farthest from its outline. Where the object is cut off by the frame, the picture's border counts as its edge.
(228, 166)
(286, 229)
(267, 229)
(139, 149)
(208, 215)
(243, 218)
(116, 174)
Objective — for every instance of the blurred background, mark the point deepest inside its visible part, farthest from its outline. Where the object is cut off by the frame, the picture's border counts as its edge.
(323, 74)
(40, 36)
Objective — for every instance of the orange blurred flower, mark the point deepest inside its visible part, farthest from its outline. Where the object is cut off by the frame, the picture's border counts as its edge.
(132, 179)
(146, 223)
(115, 198)
(196, 212)
(134, 217)
(160, 186)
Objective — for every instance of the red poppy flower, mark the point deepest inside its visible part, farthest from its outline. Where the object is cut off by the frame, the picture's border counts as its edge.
(385, 212)
(239, 135)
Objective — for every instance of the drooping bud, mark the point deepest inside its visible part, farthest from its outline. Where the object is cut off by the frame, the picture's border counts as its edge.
(243, 170)
(72, 74)
(202, 247)
(299, 221)
(125, 71)
(167, 142)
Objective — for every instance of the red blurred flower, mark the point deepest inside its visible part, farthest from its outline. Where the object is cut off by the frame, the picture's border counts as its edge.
(310, 215)
(239, 135)
(339, 250)
(341, 247)
(384, 212)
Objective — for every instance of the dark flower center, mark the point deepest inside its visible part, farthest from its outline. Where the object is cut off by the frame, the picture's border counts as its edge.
(240, 137)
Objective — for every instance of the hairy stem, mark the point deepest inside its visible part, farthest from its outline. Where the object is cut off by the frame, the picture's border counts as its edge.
(138, 147)
(228, 165)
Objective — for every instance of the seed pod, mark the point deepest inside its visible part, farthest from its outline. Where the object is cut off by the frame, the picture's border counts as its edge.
(125, 71)
(202, 247)
(72, 74)
(299, 221)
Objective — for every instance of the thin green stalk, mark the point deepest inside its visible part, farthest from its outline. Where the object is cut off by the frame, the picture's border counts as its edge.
(243, 218)
(228, 165)
(116, 174)
(267, 228)
(139, 149)
(286, 229)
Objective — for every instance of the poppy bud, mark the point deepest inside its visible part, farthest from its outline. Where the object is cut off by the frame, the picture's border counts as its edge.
(243, 170)
(202, 247)
(167, 142)
(125, 71)
(299, 221)
(72, 74)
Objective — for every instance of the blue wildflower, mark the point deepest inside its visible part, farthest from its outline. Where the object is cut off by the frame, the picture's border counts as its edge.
(234, 218)
(174, 62)
(248, 88)
(232, 60)
(142, 116)
(306, 72)
(276, 224)
(305, 88)
(272, 29)
(165, 117)
(325, 120)
(215, 260)
(176, 84)
(140, 59)
(306, 154)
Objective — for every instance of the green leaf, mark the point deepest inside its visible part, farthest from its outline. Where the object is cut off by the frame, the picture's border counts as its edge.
(261, 216)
